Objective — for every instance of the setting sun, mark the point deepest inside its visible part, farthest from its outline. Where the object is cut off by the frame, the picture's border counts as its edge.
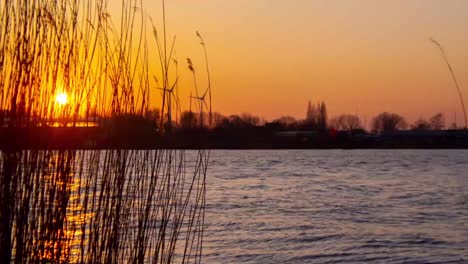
(62, 99)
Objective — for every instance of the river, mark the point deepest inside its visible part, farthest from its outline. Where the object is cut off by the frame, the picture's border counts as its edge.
(337, 206)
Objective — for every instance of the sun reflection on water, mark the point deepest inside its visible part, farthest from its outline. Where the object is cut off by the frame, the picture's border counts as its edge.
(62, 239)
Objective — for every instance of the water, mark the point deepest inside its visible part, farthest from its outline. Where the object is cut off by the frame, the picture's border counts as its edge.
(109, 206)
(321, 206)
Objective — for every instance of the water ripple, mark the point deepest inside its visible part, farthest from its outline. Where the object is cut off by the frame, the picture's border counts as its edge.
(360, 206)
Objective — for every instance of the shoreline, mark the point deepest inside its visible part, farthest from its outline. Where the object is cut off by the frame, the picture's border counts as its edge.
(94, 138)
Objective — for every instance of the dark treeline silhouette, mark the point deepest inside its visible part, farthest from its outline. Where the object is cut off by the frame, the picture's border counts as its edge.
(192, 129)
(386, 122)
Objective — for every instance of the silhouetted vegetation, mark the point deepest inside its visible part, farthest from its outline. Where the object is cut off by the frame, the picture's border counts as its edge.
(316, 117)
(346, 122)
(436, 122)
(421, 124)
(119, 201)
(454, 78)
(387, 122)
(250, 131)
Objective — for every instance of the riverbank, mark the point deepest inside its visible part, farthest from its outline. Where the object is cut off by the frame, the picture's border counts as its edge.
(99, 138)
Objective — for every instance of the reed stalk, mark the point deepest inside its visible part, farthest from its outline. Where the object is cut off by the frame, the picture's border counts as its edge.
(89, 206)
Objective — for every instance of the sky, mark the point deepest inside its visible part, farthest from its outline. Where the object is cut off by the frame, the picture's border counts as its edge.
(270, 57)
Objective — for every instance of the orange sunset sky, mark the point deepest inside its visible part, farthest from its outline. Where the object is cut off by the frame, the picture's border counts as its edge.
(269, 57)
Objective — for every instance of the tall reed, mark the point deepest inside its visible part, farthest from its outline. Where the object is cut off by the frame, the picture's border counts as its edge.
(454, 78)
(89, 206)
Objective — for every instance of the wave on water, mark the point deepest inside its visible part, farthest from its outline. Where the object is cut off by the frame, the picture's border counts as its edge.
(327, 206)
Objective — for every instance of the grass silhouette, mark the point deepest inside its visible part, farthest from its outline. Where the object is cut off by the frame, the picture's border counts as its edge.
(93, 206)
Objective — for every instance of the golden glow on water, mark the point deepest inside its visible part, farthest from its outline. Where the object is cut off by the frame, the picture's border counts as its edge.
(63, 242)
(74, 225)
